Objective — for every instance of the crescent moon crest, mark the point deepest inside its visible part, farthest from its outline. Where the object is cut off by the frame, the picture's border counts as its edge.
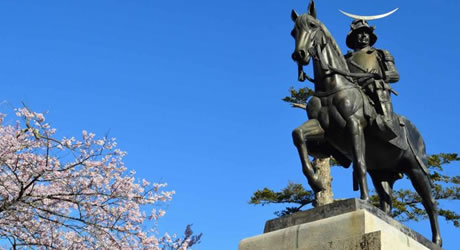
(367, 18)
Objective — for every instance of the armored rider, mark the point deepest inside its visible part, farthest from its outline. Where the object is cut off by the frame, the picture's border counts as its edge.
(380, 63)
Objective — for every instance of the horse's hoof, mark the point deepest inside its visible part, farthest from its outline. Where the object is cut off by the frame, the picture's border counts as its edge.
(365, 198)
(316, 185)
(437, 240)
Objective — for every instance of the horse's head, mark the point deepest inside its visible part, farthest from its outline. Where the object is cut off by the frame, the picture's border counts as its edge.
(305, 29)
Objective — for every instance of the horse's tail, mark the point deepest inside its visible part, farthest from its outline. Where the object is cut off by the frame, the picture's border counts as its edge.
(416, 144)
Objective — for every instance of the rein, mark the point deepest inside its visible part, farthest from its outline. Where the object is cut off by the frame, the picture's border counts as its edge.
(315, 52)
(333, 91)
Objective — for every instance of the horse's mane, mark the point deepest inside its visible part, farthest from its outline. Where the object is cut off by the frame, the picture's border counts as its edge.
(334, 44)
(327, 35)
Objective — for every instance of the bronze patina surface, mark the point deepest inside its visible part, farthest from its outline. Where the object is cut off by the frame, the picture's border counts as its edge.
(351, 117)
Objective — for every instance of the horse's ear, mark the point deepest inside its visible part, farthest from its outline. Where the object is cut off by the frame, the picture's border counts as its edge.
(312, 9)
(294, 15)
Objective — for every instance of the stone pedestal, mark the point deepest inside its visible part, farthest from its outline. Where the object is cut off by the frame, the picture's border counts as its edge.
(346, 224)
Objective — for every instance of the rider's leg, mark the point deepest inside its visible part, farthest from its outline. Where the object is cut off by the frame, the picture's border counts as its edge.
(385, 104)
(384, 108)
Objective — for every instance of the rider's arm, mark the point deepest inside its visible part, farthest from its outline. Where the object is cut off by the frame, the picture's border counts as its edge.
(391, 74)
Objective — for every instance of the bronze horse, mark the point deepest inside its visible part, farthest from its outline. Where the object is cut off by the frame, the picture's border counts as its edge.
(338, 125)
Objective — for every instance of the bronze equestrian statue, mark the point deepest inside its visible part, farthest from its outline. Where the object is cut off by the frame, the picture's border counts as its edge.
(343, 122)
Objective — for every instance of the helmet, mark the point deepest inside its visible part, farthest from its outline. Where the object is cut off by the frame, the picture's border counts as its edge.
(359, 25)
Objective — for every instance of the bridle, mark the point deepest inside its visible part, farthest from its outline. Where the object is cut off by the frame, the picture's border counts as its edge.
(315, 52)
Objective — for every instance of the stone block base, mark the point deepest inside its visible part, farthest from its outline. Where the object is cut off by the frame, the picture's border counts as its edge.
(344, 225)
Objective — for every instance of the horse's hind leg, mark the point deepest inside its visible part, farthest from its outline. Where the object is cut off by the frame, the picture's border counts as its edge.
(422, 185)
(384, 186)
(310, 130)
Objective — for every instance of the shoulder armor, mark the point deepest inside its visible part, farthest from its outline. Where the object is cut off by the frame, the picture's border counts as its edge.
(386, 56)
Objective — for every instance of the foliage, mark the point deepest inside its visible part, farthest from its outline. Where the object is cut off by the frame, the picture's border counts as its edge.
(407, 204)
(299, 96)
(293, 193)
(75, 194)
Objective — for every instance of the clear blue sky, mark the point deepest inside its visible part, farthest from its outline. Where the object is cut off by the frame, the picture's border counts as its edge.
(192, 90)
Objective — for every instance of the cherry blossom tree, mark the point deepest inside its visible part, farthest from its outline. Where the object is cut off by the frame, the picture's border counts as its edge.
(74, 193)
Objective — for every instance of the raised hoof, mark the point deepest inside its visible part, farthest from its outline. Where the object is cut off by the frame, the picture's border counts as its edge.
(316, 184)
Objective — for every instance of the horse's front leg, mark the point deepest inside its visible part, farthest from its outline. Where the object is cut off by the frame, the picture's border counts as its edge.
(310, 130)
(358, 147)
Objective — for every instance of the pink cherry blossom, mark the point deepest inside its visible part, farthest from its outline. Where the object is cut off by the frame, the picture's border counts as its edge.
(74, 193)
